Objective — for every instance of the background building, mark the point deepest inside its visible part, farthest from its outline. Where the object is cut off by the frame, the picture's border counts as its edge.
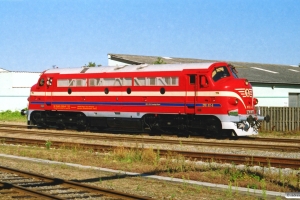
(15, 88)
(273, 85)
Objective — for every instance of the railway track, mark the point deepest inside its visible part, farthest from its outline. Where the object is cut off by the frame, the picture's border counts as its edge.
(289, 146)
(242, 138)
(32, 186)
(195, 156)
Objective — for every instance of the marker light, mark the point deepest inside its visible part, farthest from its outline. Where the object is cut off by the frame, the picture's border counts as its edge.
(246, 82)
(255, 101)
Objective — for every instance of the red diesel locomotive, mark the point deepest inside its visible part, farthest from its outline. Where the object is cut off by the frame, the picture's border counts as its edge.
(194, 99)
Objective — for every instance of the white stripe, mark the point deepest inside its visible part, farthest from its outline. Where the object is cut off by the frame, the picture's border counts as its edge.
(242, 88)
(123, 93)
(221, 94)
(189, 93)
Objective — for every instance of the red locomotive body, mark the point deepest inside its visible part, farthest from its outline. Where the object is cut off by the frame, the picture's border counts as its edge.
(199, 98)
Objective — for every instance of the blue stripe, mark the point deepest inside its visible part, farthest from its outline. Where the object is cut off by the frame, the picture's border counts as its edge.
(208, 105)
(172, 104)
(131, 104)
(33, 102)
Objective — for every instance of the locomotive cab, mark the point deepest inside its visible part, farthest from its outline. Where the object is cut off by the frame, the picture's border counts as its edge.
(241, 105)
(223, 103)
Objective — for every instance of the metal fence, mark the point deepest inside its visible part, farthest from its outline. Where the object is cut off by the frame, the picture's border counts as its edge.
(281, 118)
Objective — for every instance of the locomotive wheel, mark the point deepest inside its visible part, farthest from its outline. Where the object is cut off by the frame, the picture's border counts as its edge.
(81, 122)
(39, 118)
(60, 121)
(213, 127)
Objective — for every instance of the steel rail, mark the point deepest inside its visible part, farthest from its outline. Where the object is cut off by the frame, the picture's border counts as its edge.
(34, 193)
(261, 139)
(199, 156)
(245, 138)
(72, 184)
(277, 147)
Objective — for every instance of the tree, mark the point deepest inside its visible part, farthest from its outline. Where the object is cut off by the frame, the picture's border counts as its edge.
(91, 64)
(159, 61)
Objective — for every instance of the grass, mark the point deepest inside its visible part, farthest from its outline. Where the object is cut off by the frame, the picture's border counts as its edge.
(149, 161)
(175, 166)
(12, 116)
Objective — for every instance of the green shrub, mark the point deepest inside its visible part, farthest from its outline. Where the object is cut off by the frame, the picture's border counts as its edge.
(12, 116)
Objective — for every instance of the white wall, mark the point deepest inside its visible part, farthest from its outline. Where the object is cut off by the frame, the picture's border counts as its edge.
(276, 96)
(115, 63)
(15, 89)
(266, 95)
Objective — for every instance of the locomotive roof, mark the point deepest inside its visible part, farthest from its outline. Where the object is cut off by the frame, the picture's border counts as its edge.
(130, 68)
(254, 72)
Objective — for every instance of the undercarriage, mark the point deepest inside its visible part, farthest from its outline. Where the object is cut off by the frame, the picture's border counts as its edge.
(179, 124)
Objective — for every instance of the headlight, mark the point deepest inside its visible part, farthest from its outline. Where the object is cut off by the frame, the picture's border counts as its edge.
(255, 101)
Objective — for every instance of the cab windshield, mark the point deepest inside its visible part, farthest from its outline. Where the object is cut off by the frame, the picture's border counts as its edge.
(233, 70)
(219, 73)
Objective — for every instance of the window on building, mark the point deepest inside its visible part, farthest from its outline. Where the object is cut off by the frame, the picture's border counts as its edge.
(294, 100)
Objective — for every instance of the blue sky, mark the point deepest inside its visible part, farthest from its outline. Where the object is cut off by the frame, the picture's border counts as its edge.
(37, 34)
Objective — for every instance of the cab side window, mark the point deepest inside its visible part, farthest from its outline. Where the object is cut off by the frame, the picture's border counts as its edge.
(192, 79)
(203, 82)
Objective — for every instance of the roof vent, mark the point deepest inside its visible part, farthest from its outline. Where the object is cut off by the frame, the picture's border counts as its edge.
(84, 70)
(117, 68)
(142, 66)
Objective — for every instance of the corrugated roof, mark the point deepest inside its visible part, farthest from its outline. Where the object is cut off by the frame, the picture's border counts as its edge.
(7, 71)
(254, 72)
(3, 70)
